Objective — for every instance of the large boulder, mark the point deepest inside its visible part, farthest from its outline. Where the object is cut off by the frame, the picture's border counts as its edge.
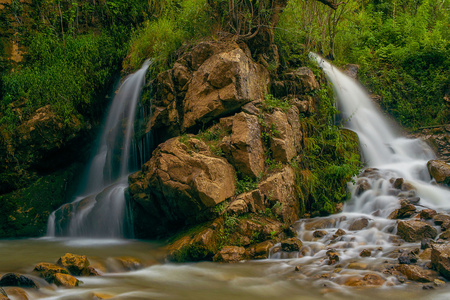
(14, 279)
(440, 259)
(223, 83)
(181, 181)
(414, 230)
(48, 271)
(440, 171)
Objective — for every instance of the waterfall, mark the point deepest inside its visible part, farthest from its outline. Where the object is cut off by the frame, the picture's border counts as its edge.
(383, 148)
(99, 210)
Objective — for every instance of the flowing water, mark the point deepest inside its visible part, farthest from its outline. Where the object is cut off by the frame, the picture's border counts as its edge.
(99, 210)
(303, 275)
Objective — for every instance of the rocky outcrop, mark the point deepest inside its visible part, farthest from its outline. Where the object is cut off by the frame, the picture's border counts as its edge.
(440, 171)
(439, 140)
(212, 80)
(230, 254)
(181, 181)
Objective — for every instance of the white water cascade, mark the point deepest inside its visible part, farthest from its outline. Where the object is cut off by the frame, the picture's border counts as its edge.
(99, 210)
(393, 155)
(365, 225)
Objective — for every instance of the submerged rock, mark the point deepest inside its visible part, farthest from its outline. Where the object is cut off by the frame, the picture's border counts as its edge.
(366, 280)
(230, 254)
(15, 279)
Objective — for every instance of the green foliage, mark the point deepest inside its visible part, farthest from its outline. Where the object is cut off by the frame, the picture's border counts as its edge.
(179, 22)
(270, 103)
(246, 184)
(329, 160)
(67, 75)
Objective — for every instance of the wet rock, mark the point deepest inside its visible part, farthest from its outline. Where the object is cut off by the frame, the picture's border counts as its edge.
(14, 279)
(366, 253)
(201, 244)
(441, 218)
(301, 80)
(89, 271)
(362, 186)
(359, 224)
(413, 230)
(230, 254)
(65, 280)
(406, 186)
(427, 214)
(438, 282)
(426, 254)
(99, 296)
(259, 251)
(48, 271)
(425, 243)
(398, 183)
(416, 273)
(357, 266)
(406, 210)
(75, 264)
(367, 280)
(16, 293)
(440, 171)
(440, 259)
(291, 245)
(333, 256)
(338, 233)
(128, 263)
(409, 257)
(319, 233)
(320, 223)
(445, 235)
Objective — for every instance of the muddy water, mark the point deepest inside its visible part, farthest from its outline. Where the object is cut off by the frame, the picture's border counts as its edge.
(266, 279)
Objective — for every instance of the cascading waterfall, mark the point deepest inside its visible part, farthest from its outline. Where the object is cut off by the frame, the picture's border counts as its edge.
(393, 155)
(99, 210)
(364, 224)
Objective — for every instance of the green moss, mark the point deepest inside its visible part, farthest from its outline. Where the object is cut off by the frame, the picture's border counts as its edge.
(25, 212)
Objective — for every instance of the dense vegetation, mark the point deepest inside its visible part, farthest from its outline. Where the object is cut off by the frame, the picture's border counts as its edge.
(402, 48)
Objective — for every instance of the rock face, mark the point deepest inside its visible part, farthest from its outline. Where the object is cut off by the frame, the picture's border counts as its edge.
(440, 259)
(181, 181)
(230, 254)
(413, 230)
(440, 171)
(221, 85)
(245, 148)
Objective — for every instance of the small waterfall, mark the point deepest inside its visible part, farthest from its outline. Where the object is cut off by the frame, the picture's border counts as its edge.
(368, 221)
(391, 154)
(99, 210)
